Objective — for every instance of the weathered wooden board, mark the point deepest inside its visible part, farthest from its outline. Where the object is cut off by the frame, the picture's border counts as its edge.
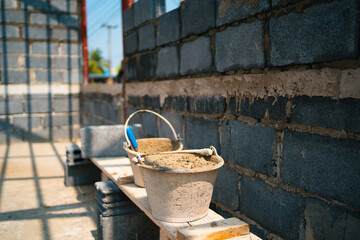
(222, 229)
(119, 171)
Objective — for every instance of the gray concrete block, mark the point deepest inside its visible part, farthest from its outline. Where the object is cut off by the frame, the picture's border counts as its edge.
(167, 62)
(41, 5)
(12, 16)
(72, 76)
(312, 161)
(227, 13)
(168, 28)
(84, 174)
(13, 106)
(44, 48)
(131, 43)
(64, 6)
(201, 133)
(48, 76)
(175, 103)
(109, 188)
(69, 20)
(71, 49)
(104, 141)
(4, 124)
(8, 136)
(191, 22)
(131, 69)
(65, 133)
(176, 120)
(134, 100)
(44, 19)
(66, 63)
(196, 56)
(272, 207)
(226, 188)
(117, 208)
(249, 146)
(131, 226)
(146, 67)
(37, 33)
(129, 19)
(146, 35)
(61, 120)
(246, 52)
(110, 112)
(149, 125)
(38, 96)
(27, 122)
(10, 62)
(259, 108)
(39, 62)
(340, 114)
(323, 32)
(336, 222)
(37, 106)
(282, 3)
(110, 198)
(37, 135)
(10, 32)
(151, 101)
(12, 47)
(135, 119)
(15, 77)
(69, 104)
(65, 34)
(10, 4)
(205, 104)
(145, 10)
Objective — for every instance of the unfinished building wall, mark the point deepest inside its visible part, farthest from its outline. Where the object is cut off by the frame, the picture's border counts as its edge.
(40, 62)
(275, 87)
(101, 104)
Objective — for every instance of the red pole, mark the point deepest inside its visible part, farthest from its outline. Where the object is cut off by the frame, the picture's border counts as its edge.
(125, 5)
(84, 42)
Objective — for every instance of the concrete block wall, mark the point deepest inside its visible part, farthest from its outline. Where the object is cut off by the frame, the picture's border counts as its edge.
(101, 104)
(275, 87)
(40, 54)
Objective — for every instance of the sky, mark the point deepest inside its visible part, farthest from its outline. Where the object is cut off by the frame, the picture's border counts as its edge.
(99, 12)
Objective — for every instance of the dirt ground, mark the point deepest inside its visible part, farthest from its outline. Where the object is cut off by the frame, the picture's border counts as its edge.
(35, 203)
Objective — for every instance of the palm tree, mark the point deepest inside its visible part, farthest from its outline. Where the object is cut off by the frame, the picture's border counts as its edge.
(97, 63)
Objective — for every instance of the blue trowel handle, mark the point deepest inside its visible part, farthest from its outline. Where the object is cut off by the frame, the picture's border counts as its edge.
(132, 138)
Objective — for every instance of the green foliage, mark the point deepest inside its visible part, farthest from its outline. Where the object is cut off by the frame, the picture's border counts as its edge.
(118, 68)
(97, 64)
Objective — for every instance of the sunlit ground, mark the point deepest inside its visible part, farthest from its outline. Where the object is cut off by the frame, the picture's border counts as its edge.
(34, 202)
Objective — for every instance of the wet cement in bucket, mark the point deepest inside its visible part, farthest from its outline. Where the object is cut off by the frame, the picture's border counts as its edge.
(157, 145)
(181, 161)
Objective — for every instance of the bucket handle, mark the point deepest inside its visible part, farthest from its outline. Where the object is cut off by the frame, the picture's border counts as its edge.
(149, 111)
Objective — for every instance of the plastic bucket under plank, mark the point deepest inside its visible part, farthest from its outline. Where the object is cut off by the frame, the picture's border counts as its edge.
(150, 145)
(178, 195)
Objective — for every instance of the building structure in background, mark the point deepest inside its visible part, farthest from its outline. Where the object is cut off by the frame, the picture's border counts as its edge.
(40, 62)
(273, 86)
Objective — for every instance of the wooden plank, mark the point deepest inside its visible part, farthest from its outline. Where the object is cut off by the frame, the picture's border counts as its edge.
(249, 236)
(117, 169)
(163, 235)
(223, 229)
